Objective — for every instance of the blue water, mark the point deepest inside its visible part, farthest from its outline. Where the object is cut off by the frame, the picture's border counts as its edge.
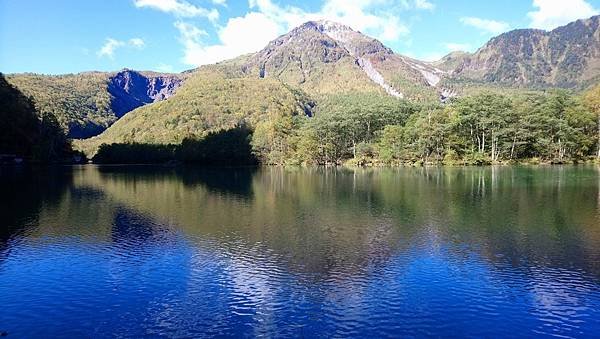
(159, 252)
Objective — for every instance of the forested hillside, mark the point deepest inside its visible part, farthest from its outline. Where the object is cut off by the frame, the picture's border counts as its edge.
(567, 57)
(85, 104)
(27, 133)
(553, 126)
(208, 102)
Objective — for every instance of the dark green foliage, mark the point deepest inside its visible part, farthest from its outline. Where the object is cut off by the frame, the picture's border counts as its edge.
(18, 121)
(481, 129)
(490, 128)
(85, 104)
(591, 100)
(370, 129)
(425, 138)
(80, 102)
(229, 148)
(134, 154)
(27, 133)
(343, 122)
(53, 143)
(206, 103)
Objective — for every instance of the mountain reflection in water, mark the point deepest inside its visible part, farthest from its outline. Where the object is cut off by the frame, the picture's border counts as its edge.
(134, 251)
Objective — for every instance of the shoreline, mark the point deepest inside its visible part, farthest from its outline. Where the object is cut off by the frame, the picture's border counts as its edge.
(337, 166)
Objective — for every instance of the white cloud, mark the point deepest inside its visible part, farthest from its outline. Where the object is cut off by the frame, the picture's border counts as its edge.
(220, 2)
(189, 32)
(137, 43)
(266, 20)
(241, 35)
(485, 25)
(416, 4)
(111, 45)
(550, 14)
(179, 8)
(424, 4)
(363, 16)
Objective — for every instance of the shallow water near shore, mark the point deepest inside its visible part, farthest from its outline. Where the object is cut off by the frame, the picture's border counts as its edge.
(186, 252)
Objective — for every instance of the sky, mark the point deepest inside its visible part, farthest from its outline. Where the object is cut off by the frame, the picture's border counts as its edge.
(70, 36)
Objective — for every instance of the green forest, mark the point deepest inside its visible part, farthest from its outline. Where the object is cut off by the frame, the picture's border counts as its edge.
(556, 126)
(27, 133)
(355, 129)
(550, 127)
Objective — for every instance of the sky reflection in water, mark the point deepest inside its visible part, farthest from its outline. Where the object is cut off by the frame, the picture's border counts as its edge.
(104, 251)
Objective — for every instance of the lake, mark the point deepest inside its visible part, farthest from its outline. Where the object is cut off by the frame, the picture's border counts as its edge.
(188, 252)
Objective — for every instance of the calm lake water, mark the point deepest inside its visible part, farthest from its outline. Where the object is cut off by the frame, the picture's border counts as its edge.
(187, 252)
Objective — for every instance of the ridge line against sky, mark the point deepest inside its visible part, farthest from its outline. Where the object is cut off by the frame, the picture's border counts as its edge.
(67, 36)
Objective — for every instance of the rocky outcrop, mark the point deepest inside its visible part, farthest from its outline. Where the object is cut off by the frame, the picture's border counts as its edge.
(130, 89)
(366, 65)
(327, 57)
(568, 56)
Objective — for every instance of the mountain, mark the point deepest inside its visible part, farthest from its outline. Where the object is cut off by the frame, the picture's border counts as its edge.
(301, 71)
(209, 101)
(323, 57)
(567, 57)
(308, 65)
(451, 61)
(85, 104)
(131, 89)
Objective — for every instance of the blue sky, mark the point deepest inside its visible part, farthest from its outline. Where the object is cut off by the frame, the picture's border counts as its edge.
(68, 36)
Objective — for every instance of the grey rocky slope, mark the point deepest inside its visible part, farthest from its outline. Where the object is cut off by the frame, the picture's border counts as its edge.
(567, 56)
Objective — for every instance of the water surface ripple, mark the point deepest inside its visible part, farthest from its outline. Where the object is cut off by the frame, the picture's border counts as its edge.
(188, 252)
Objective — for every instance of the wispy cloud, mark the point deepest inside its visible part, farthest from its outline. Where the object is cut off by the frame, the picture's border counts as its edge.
(416, 4)
(111, 45)
(424, 4)
(180, 8)
(486, 25)
(549, 14)
(137, 43)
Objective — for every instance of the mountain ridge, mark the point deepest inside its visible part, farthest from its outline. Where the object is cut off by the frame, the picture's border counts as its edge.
(567, 57)
(324, 58)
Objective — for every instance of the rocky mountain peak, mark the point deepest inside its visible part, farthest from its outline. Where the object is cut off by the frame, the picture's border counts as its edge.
(321, 26)
(333, 35)
(323, 52)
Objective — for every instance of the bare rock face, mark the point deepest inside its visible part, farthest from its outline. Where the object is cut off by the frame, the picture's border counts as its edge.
(566, 57)
(326, 57)
(130, 89)
(353, 41)
(300, 51)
